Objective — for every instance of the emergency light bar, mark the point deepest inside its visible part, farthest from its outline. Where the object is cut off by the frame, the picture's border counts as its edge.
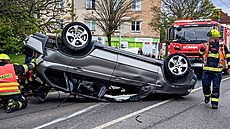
(200, 20)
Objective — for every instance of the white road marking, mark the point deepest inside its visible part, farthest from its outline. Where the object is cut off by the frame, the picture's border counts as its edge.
(225, 79)
(67, 117)
(143, 110)
(131, 115)
(116, 120)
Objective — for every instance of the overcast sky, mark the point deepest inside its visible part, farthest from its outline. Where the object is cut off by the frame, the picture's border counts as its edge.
(222, 4)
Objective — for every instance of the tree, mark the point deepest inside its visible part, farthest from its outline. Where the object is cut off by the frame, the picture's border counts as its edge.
(19, 18)
(171, 10)
(216, 15)
(109, 15)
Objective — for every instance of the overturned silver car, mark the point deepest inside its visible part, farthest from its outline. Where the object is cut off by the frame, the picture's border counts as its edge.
(73, 64)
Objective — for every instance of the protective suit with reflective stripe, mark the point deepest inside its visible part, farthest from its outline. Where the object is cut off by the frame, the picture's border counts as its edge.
(8, 81)
(215, 54)
(215, 59)
(10, 95)
(26, 82)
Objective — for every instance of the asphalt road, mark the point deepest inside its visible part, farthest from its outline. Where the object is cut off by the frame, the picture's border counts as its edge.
(156, 111)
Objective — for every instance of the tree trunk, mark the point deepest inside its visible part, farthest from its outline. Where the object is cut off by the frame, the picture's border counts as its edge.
(109, 39)
(167, 49)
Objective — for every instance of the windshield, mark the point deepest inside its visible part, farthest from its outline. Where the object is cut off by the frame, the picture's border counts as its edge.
(195, 33)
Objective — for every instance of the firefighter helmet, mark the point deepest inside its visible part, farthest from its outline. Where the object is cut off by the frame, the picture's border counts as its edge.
(4, 57)
(214, 33)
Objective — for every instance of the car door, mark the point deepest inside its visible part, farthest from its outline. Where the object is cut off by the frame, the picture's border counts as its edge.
(98, 64)
(134, 71)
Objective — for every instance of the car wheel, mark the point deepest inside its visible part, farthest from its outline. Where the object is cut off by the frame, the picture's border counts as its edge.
(177, 65)
(76, 36)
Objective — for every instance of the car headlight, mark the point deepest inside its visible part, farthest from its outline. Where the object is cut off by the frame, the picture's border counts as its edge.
(176, 47)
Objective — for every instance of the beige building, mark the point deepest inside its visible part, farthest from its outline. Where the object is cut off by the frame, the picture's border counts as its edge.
(136, 33)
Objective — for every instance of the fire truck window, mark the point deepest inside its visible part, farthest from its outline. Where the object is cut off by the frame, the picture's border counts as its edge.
(221, 29)
(178, 36)
(178, 29)
(171, 33)
(192, 34)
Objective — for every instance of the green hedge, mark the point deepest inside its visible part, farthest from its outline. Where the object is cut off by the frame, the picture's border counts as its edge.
(20, 58)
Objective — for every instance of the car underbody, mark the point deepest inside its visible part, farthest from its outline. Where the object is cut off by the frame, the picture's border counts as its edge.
(95, 71)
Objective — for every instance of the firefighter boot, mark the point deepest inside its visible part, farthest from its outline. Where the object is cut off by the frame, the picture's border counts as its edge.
(11, 106)
(206, 100)
(214, 105)
(2, 105)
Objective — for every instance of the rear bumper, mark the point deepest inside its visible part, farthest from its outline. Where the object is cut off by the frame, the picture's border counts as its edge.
(178, 90)
(182, 87)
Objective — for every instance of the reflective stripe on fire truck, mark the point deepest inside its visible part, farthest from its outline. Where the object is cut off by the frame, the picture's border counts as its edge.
(212, 69)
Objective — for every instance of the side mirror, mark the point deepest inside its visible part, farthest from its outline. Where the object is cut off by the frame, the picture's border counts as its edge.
(167, 42)
(168, 34)
(178, 29)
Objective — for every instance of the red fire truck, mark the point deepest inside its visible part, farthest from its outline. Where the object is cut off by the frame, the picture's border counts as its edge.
(188, 36)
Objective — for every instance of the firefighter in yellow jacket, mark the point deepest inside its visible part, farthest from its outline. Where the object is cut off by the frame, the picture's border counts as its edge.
(215, 54)
(10, 94)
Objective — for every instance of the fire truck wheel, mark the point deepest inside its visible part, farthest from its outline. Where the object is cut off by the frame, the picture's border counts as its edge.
(177, 65)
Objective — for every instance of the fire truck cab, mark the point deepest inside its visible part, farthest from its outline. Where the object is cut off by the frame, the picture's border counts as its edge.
(188, 36)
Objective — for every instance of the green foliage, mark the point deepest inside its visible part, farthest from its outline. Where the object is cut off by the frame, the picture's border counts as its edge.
(13, 31)
(20, 59)
(216, 14)
(15, 25)
(20, 18)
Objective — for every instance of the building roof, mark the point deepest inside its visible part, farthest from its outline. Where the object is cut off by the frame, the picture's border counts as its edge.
(224, 18)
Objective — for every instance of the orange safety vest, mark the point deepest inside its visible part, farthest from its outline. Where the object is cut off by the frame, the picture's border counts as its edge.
(8, 81)
(221, 52)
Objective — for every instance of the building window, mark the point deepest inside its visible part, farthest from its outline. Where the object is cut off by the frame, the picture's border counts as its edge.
(136, 27)
(90, 4)
(59, 4)
(91, 24)
(136, 5)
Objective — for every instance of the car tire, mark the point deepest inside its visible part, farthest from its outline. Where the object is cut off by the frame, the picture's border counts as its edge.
(76, 36)
(177, 65)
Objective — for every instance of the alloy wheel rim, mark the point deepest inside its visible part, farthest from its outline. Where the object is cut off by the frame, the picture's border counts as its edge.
(178, 65)
(77, 36)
